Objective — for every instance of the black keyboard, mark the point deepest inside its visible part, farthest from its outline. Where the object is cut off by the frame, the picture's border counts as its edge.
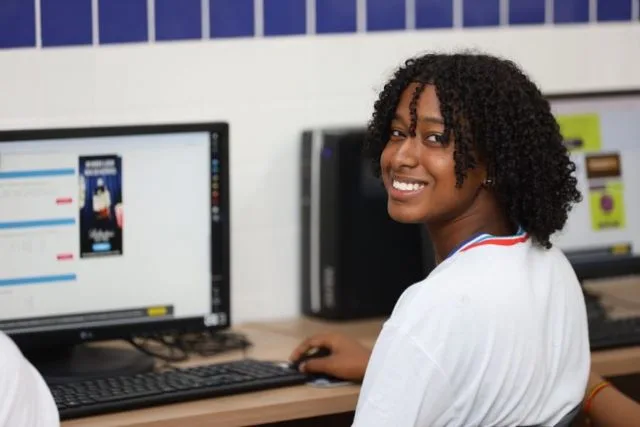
(100, 396)
(605, 332)
(610, 333)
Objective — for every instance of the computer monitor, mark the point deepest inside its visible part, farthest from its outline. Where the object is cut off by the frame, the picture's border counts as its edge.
(602, 130)
(107, 233)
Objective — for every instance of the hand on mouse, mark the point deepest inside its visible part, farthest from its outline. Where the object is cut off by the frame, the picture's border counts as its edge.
(348, 359)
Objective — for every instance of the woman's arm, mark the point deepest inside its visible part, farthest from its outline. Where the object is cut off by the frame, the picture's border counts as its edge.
(609, 407)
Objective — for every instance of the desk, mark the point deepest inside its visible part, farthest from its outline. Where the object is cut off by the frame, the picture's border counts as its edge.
(248, 409)
(619, 296)
(274, 341)
(607, 363)
(365, 331)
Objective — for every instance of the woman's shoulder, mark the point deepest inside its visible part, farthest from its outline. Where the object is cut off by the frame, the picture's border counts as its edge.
(494, 263)
(485, 278)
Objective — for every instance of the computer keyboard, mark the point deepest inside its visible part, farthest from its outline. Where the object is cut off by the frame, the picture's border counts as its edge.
(99, 396)
(605, 332)
(610, 333)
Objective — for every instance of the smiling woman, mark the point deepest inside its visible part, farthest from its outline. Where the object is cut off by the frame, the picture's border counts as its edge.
(497, 333)
(418, 168)
(418, 154)
(490, 125)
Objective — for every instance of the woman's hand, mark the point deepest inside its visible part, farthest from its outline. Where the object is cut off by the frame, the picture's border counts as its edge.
(348, 359)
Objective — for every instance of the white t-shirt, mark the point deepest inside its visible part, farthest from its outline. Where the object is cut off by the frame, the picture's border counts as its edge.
(25, 399)
(496, 335)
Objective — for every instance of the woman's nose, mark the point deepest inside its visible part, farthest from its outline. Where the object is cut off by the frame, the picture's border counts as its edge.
(407, 154)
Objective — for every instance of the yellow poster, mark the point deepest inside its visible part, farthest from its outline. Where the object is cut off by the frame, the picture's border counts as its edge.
(581, 132)
(607, 206)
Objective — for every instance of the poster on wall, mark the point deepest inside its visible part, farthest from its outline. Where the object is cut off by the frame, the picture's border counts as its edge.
(606, 191)
(581, 132)
(100, 206)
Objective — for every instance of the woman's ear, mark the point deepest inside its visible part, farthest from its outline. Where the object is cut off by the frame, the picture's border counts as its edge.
(485, 177)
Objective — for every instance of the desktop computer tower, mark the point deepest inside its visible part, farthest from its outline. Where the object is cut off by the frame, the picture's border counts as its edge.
(356, 261)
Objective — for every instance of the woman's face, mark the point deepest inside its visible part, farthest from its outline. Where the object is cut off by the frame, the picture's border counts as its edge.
(419, 172)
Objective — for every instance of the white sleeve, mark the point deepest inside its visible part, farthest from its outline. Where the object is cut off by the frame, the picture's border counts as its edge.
(25, 399)
(403, 386)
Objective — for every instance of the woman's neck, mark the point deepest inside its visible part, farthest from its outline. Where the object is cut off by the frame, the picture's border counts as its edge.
(449, 235)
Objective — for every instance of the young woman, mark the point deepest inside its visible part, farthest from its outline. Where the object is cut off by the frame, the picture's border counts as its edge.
(497, 334)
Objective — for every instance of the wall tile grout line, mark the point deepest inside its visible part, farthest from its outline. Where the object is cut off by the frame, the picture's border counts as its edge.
(151, 21)
(258, 18)
(361, 16)
(548, 12)
(205, 22)
(504, 13)
(38, 23)
(410, 14)
(310, 11)
(95, 22)
(458, 14)
(593, 11)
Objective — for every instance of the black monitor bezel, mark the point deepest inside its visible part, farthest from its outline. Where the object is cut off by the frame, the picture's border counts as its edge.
(614, 266)
(220, 247)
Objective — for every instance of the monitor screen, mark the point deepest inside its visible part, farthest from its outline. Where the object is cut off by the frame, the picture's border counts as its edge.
(603, 133)
(117, 227)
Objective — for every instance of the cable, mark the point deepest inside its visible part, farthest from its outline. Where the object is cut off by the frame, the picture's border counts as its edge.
(162, 347)
(209, 343)
(177, 346)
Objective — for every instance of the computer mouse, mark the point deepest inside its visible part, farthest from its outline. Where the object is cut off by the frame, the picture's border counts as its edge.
(312, 353)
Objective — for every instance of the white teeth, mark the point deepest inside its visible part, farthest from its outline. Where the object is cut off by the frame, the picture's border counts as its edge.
(407, 186)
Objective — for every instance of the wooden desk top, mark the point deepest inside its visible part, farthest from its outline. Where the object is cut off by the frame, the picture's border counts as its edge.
(365, 331)
(247, 409)
(274, 341)
(607, 363)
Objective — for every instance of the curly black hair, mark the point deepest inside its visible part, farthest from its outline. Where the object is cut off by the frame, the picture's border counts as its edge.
(495, 114)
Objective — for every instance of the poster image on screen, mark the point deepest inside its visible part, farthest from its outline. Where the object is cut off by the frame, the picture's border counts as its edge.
(100, 204)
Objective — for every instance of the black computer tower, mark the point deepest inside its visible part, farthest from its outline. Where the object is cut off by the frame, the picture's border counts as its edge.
(356, 261)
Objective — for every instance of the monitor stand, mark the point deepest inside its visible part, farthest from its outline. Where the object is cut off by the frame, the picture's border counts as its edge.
(88, 361)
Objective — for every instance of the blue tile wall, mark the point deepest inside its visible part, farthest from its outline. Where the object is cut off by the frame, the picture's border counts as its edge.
(178, 19)
(481, 13)
(571, 11)
(231, 18)
(615, 10)
(434, 13)
(386, 15)
(71, 22)
(526, 12)
(284, 17)
(66, 22)
(336, 16)
(122, 21)
(17, 24)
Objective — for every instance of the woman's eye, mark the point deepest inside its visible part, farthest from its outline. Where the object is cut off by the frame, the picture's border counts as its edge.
(396, 134)
(436, 139)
